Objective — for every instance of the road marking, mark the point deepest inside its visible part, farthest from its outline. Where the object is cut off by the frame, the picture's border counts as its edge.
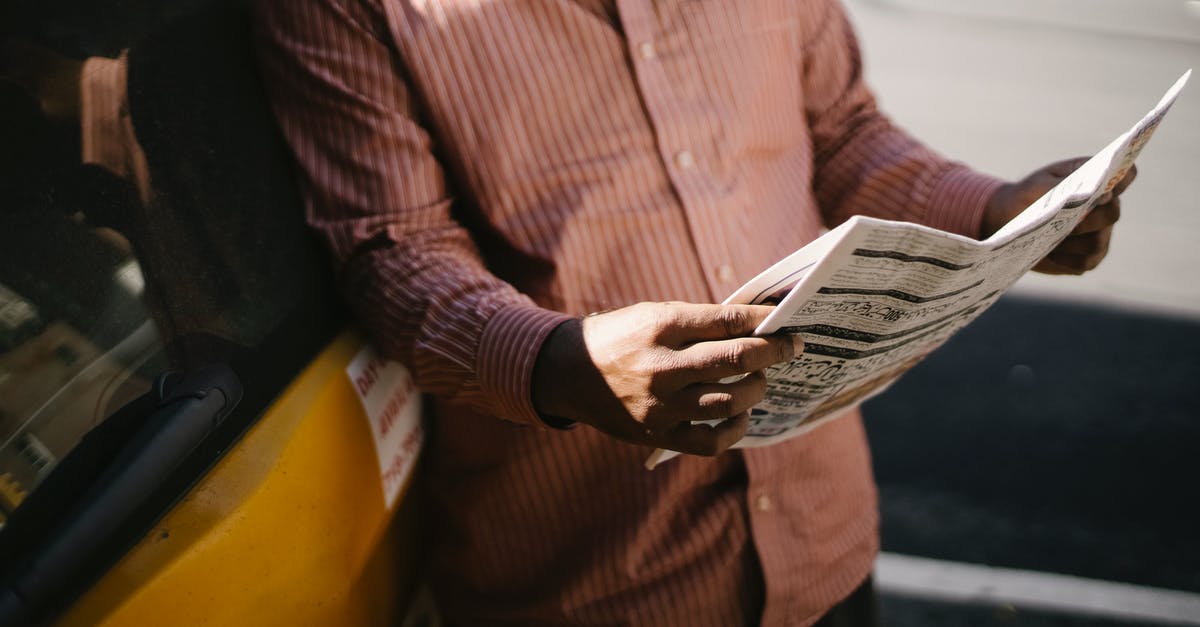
(924, 578)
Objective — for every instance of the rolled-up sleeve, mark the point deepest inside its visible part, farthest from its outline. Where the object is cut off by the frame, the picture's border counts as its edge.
(864, 164)
(374, 190)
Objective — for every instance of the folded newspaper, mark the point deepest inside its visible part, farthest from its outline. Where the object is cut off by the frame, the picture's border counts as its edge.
(872, 297)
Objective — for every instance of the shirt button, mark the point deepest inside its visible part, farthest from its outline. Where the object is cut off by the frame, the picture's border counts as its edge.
(646, 50)
(763, 503)
(684, 159)
(724, 273)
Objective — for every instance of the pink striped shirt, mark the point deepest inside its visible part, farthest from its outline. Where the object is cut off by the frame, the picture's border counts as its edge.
(483, 169)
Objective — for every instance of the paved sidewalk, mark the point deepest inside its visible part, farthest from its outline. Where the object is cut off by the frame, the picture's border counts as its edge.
(1007, 96)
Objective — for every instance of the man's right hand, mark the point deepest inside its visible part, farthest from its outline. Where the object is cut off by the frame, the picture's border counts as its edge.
(645, 372)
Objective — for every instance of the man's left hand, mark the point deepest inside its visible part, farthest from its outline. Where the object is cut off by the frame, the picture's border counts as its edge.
(1087, 244)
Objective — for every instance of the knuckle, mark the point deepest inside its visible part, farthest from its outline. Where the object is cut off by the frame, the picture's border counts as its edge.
(730, 357)
(738, 358)
(645, 369)
(647, 307)
(653, 365)
(660, 318)
(732, 321)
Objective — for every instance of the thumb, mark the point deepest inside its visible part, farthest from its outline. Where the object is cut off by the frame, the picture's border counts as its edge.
(687, 323)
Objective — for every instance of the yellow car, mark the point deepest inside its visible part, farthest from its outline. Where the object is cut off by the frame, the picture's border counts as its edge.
(190, 432)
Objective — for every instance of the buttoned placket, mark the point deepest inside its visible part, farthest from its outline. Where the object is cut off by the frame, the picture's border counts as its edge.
(678, 126)
(766, 521)
(687, 170)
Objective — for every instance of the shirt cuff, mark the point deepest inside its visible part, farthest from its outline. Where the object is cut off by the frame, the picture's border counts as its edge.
(957, 199)
(507, 352)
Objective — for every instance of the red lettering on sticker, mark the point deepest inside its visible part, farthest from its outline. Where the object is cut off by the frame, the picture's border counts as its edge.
(365, 381)
(395, 405)
(388, 416)
(404, 456)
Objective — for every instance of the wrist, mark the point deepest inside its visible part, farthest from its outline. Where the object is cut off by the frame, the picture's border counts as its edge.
(552, 391)
(996, 211)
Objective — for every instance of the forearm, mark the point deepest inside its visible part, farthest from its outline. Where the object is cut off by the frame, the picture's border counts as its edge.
(466, 335)
(381, 200)
(864, 164)
(900, 180)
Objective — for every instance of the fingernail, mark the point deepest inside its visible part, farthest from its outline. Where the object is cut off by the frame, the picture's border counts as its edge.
(797, 344)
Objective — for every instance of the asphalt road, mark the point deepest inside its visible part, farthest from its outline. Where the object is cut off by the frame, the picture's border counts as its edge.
(1046, 436)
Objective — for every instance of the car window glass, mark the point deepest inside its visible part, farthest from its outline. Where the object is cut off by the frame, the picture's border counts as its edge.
(76, 339)
(149, 222)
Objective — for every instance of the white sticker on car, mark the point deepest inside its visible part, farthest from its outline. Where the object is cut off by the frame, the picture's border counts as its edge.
(392, 405)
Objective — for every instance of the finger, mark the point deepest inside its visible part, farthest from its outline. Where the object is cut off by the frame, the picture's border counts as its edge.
(1068, 263)
(1125, 181)
(1085, 244)
(705, 439)
(1052, 267)
(685, 323)
(717, 401)
(1099, 218)
(710, 361)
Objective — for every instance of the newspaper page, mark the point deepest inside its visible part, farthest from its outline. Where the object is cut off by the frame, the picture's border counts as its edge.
(872, 297)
